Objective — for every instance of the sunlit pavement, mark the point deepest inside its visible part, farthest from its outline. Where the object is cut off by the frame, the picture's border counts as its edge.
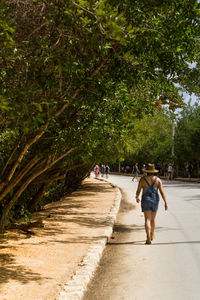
(167, 269)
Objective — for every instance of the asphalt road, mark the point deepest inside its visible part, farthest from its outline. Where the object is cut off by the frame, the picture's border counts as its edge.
(168, 269)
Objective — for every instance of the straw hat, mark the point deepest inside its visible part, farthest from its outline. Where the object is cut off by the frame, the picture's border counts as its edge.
(150, 169)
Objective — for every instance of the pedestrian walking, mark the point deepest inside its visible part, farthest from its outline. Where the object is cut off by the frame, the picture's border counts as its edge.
(102, 169)
(169, 172)
(165, 171)
(189, 169)
(107, 169)
(150, 184)
(96, 171)
(135, 172)
(127, 169)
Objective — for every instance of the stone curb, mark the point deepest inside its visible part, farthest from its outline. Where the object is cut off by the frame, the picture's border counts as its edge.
(76, 287)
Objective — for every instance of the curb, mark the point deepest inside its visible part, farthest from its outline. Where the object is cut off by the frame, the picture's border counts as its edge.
(76, 287)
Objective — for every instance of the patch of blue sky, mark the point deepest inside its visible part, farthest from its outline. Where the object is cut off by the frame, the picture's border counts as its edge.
(190, 99)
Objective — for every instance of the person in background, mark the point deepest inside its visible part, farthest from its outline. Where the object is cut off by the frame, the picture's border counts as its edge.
(150, 185)
(165, 171)
(127, 169)
(169, 172)
(107, 169)
(189, 169)
(135, 172)
(102, 169)
(96, 171)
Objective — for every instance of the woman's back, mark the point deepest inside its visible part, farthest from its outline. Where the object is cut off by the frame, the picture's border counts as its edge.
(150, 189)
(150, 179)
(150, 185)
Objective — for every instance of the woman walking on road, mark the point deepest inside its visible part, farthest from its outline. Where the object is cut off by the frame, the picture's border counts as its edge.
(150, 199)
(135, 172)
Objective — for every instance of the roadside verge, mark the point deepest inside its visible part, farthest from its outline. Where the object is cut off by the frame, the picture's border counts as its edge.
(75, 288)
(57, 260)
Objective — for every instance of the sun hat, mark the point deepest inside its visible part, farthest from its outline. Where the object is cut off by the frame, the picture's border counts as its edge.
(150, 169)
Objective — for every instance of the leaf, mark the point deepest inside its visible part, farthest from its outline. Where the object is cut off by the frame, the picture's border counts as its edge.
(38, 106)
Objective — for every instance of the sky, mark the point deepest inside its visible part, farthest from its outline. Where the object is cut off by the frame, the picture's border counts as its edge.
(187, 97)
(192, 97)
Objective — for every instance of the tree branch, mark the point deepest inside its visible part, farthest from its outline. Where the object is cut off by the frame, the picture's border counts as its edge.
(9, 159)
(26, 184)
(24, 151)
(19, 178)
(93, 74)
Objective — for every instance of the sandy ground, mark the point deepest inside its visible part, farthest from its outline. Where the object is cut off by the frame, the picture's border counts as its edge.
(37, 265)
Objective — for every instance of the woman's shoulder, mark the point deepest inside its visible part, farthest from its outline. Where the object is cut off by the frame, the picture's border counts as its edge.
(155, 179)
(158, 180)
(142, 180)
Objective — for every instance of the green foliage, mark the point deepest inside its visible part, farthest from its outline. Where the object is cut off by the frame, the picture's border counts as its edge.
(85, 75)
(23, 214)
(188, 137)
(150, 140)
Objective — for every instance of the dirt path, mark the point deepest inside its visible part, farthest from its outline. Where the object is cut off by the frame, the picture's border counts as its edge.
(37, 265)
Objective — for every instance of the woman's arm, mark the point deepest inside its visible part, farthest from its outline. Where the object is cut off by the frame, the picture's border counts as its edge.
(162, 194)
(138, 191)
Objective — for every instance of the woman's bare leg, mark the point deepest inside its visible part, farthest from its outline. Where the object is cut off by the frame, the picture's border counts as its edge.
(153, 218)
(147, 216)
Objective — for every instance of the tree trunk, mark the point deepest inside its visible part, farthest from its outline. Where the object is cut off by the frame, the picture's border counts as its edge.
(37, 198)
(17, 180)
(26, 183)
(10, 158)
(21, 156)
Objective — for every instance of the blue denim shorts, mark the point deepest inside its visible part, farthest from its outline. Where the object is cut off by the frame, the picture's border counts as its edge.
(147, 205)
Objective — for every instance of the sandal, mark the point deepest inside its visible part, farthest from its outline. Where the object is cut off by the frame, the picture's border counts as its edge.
(148, 242)
(152, 236)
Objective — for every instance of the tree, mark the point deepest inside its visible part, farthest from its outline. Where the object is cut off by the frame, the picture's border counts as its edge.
(73, 66)
(149, 140)
(187, 137)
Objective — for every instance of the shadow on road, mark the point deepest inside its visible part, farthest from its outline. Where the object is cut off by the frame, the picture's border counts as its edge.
(180, 184)
(127, 228)
(139, 243)
(193, 198)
